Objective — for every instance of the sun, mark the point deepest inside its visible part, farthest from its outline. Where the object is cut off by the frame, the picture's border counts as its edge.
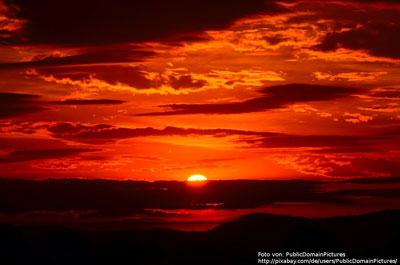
(197, 178)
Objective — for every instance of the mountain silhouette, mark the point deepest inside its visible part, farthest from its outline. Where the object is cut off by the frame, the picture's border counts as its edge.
(375, 235)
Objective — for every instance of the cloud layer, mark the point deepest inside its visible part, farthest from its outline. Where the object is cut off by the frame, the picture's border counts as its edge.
(13, 104)
(274, 97)
(105, 198)
(106, 22)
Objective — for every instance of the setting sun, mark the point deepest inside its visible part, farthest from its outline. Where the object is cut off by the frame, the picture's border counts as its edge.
(197, 178)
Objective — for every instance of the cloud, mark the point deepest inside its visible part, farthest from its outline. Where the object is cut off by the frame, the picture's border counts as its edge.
(13, 104)
(349, 76)
(103, 133)
(274, 97)
(356, 117)
(381, 166)
(296, 141)
(73, 194)
(21, 143)
(386, 93)
(186, 81)
(89, 102)
(106, 22)
(104, 195)
(350, 149)
(40, 154)
(118, 54)
(376, 37)
(308, 144)
(132, 76)
(379, 193)
(389, 180)
(9, 25)
(275, 39)
(341, 165)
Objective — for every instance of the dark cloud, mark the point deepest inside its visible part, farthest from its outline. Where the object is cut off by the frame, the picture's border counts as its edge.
(318, 144)
(213, 160)
(306, 92)
(103, 133)
(376, 193)
(125, 198)
(120, 74)
(347, 167)
(348, 149)
(40, 154)
(118, 54)
(111, 74)
(336, 155)
(21, 143)
(355, 143)
(370, 27)
(181, 39)
(104, 22)
(341, 14)
(377, 38)
(386, 180)
(384, 166)
(89, 102)
(186, 81)
(275, 39)
(275, 97)
(12, 104)
(390, 93)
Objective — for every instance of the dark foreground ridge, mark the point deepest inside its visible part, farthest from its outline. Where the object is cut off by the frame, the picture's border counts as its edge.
(375, 235)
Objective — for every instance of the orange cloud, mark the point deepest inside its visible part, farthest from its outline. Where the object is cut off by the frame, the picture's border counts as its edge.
(350, 76)
(357, 117)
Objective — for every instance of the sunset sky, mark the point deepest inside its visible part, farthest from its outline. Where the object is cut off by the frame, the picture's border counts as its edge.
(162, 90)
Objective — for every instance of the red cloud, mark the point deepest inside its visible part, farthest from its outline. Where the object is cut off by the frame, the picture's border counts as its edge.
(39, 154)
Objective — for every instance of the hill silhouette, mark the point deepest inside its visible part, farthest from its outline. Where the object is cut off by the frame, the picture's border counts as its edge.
(375, 235)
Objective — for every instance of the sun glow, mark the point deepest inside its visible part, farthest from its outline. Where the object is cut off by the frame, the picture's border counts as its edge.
(197, 178)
